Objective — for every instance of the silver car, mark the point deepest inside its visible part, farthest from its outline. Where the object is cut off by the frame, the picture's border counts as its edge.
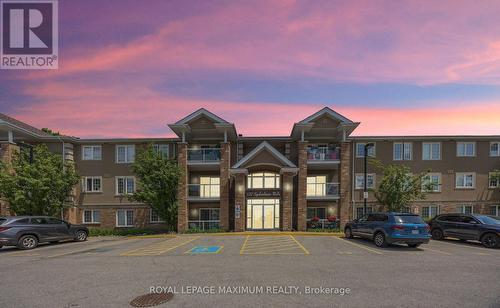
(26, 232)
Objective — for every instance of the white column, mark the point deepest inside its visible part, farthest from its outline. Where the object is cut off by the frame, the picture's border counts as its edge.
(11, 136)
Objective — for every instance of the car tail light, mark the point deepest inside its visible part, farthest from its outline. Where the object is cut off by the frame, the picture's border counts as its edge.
(398, 227)
(427, 227)
(4, 228)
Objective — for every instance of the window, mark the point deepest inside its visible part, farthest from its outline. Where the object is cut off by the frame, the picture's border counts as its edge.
(162, 149)
(495, 148)
(125, 153)
(408, 219)
(316, 185)
(431, 182)
(91, 152)
(263, 180)
(465, 149)
(360, 180)
(465, 180)
(125, 218)
(430, 211)
(406, 209)
(54, 221)
(465, 209)
(209, 214)
(495, 210)
(360, 211)
(360, 150)
(494, 179)
(431, 151)
(154, 217)
(92, 184)
(319, 212)
(209, 187)
(91, 216)
(402, 151)
(125, 185)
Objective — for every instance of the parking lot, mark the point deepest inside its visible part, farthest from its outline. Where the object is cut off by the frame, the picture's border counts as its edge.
(111, 271)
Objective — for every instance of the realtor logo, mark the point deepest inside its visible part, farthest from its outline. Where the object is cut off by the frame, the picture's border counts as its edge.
(29, 34)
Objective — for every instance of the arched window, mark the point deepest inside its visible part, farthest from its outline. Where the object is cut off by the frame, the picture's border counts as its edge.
(263, 180)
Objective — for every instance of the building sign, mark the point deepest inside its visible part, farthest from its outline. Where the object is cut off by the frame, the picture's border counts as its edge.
(267, 193)
(237, 211)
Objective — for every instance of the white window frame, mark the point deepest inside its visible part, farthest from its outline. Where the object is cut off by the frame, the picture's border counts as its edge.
(263, 175)
(319, 186)
(128, 160)
(464, 174)
(210, 189)
(461, 208)
(125, 178)
(430, 211)
(431, 174)
(369, 210)
(430, 149)
(92, 147)
(403, 144)
(497, 179)
(84, 184)
(497, 209)
(373, 175)
(93, 220)
(371, 151)
(497, 154)
(465, 143)
(157, 147)
(126, 225)
(159, 221)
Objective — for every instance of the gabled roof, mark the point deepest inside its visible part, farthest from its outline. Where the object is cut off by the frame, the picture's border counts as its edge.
(329, 112)
(198, 113)
(5, 119)
(264, 145)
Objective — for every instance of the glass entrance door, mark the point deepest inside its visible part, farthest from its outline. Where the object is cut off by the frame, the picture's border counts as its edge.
(263, 214)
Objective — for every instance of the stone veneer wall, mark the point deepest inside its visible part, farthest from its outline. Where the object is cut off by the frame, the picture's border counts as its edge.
(302, 186)
(345, 183)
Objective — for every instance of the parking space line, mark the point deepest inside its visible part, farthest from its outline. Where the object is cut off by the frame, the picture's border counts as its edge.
(280, 247)
(244, 245)
(81, 250)
(159, 247)
(482, 249)
(358, 245)
(301, 246)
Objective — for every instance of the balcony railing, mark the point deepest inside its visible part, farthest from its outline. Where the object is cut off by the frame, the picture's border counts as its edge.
(323, 154)
(203, 224)
(203, 155)
(323, 190)
(203, 191)
(322, 224)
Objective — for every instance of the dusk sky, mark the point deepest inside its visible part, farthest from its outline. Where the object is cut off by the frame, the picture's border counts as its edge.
(128, 68)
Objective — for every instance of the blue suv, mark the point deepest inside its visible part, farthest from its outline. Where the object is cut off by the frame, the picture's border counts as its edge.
(389, 228)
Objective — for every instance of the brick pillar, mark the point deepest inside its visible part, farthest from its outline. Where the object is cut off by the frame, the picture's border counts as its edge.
(240, 201)
(225, 165)
(7, 151)
(345, 183)
(302, 187)
(182, 211)
(287, 199)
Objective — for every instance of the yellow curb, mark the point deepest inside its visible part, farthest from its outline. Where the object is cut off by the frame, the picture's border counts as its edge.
(153, 236)
(255, 233)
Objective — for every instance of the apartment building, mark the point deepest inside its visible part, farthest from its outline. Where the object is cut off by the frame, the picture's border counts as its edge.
(234, 182)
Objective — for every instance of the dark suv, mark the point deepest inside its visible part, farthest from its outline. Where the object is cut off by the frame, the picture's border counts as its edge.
(388, 228)
(483, 228)
(26, 232)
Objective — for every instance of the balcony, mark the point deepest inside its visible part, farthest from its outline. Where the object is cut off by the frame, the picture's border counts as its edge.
(323, 157)
(323, 191)
(203, 192)
(203, 159)
(203, 224)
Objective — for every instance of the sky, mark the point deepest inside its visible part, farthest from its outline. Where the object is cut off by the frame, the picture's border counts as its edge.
(127, 68)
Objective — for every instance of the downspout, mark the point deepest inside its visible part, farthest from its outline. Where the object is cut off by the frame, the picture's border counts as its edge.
(353, 177)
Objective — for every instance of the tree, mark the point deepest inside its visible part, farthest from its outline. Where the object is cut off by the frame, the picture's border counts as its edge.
(41, 187)
(157, 179)
(399, 187)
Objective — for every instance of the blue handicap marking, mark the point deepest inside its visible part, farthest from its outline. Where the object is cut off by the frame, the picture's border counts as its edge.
(205, 249)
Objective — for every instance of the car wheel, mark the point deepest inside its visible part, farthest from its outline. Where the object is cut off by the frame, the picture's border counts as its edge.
(379, 240)
(80, 236)
(437, 234)
(490, 240)
(27, 242)
(414, 245)
(348, 233)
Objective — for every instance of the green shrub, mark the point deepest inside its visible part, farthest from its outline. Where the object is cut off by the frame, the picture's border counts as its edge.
(332, 230)
(123, 232)
(197, 230)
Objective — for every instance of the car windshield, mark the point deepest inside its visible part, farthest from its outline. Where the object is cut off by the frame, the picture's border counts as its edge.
(489, 220)
(408, 219)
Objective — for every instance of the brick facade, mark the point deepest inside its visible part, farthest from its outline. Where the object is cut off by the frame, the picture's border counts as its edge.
(182, 211)
(302, 186)
(345, 183)
(287, 201)
(225, 165)
(239, 184)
